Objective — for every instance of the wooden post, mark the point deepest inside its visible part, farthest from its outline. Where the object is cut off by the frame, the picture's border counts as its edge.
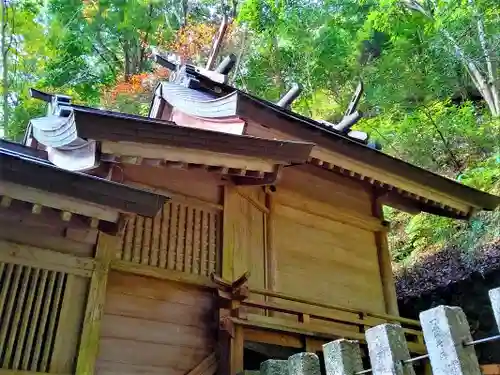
(228, 235)
(89, 343)
(271, 248)
(237, 348)
(384, 263)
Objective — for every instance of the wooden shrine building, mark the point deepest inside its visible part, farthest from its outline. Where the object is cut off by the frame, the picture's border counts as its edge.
(218, 231)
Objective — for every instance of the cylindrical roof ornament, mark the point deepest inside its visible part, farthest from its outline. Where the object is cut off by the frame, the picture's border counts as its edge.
(292, 94)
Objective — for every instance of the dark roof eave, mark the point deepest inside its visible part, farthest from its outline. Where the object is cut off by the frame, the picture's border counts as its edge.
(315, 132)
(114, 126)
(25, 169)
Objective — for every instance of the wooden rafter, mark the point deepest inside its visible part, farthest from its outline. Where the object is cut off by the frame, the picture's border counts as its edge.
(410, 192)
(40, 198)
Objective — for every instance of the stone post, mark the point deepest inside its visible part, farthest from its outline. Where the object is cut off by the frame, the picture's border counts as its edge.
(274, 367)
(342, 357)
(304, 364)
(445, 331)
(388, 349)
(495, 304)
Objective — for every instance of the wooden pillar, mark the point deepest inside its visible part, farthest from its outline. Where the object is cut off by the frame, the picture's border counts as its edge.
(272, 262)
(237, 349)
(89, 342)
(228, 234)
(384, 263)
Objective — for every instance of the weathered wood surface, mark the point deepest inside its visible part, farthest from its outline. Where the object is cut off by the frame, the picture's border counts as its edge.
(89, 343)
(153, 326)
(181, 237)
(31, 256)
(326, 260)
(41, 314)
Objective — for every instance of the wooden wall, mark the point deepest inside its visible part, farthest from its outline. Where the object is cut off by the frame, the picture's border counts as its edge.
(317, 241)
(320, 255)
(322, 259)
(153, 326)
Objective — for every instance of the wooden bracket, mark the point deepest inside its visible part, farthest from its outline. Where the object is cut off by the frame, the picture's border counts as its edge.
(226, 325)
(267, 179)
(232, 291)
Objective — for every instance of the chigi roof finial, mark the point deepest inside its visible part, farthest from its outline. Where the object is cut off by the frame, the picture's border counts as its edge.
(292, 94)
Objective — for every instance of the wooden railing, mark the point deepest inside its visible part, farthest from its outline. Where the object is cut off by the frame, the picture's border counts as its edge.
(318, 319)
(260, 309)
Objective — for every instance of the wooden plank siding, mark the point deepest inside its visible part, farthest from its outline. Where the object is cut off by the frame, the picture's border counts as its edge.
(154, 326)
(180, 237)
(322, 259)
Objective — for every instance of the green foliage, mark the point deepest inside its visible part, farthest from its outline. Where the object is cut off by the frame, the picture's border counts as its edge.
(420, 101)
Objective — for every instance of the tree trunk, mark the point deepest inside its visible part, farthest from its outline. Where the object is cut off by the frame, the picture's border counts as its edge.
(5, 66)
(126, 63)
(488, 86)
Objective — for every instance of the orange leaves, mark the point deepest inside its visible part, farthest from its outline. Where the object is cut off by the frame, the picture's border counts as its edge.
(139, 86)
(193, 41)
(138, 83)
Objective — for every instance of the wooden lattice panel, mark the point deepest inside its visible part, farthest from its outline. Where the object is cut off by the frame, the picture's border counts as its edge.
(181, 237)
(30, 301)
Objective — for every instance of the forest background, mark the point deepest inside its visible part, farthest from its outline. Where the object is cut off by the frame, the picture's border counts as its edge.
(429, 68)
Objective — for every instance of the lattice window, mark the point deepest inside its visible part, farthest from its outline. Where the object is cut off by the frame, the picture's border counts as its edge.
(181, 237)
(30, 301)
(41, 314)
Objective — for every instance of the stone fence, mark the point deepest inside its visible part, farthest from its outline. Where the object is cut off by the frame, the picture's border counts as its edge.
(447, 338)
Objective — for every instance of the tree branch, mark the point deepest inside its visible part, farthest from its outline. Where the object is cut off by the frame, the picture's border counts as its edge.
(452, 157)
(488, 91)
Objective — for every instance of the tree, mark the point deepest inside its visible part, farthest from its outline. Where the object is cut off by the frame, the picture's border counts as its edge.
(480, 59)
(7, 39)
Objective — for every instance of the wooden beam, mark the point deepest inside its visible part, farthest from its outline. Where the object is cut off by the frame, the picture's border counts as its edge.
(89, 342)
(237, 348)
(377, 174)
(189, 156)
(178, 197)
(161, 273)
(59, 202)
(42, 258)
(270, 337)
(316, 303)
